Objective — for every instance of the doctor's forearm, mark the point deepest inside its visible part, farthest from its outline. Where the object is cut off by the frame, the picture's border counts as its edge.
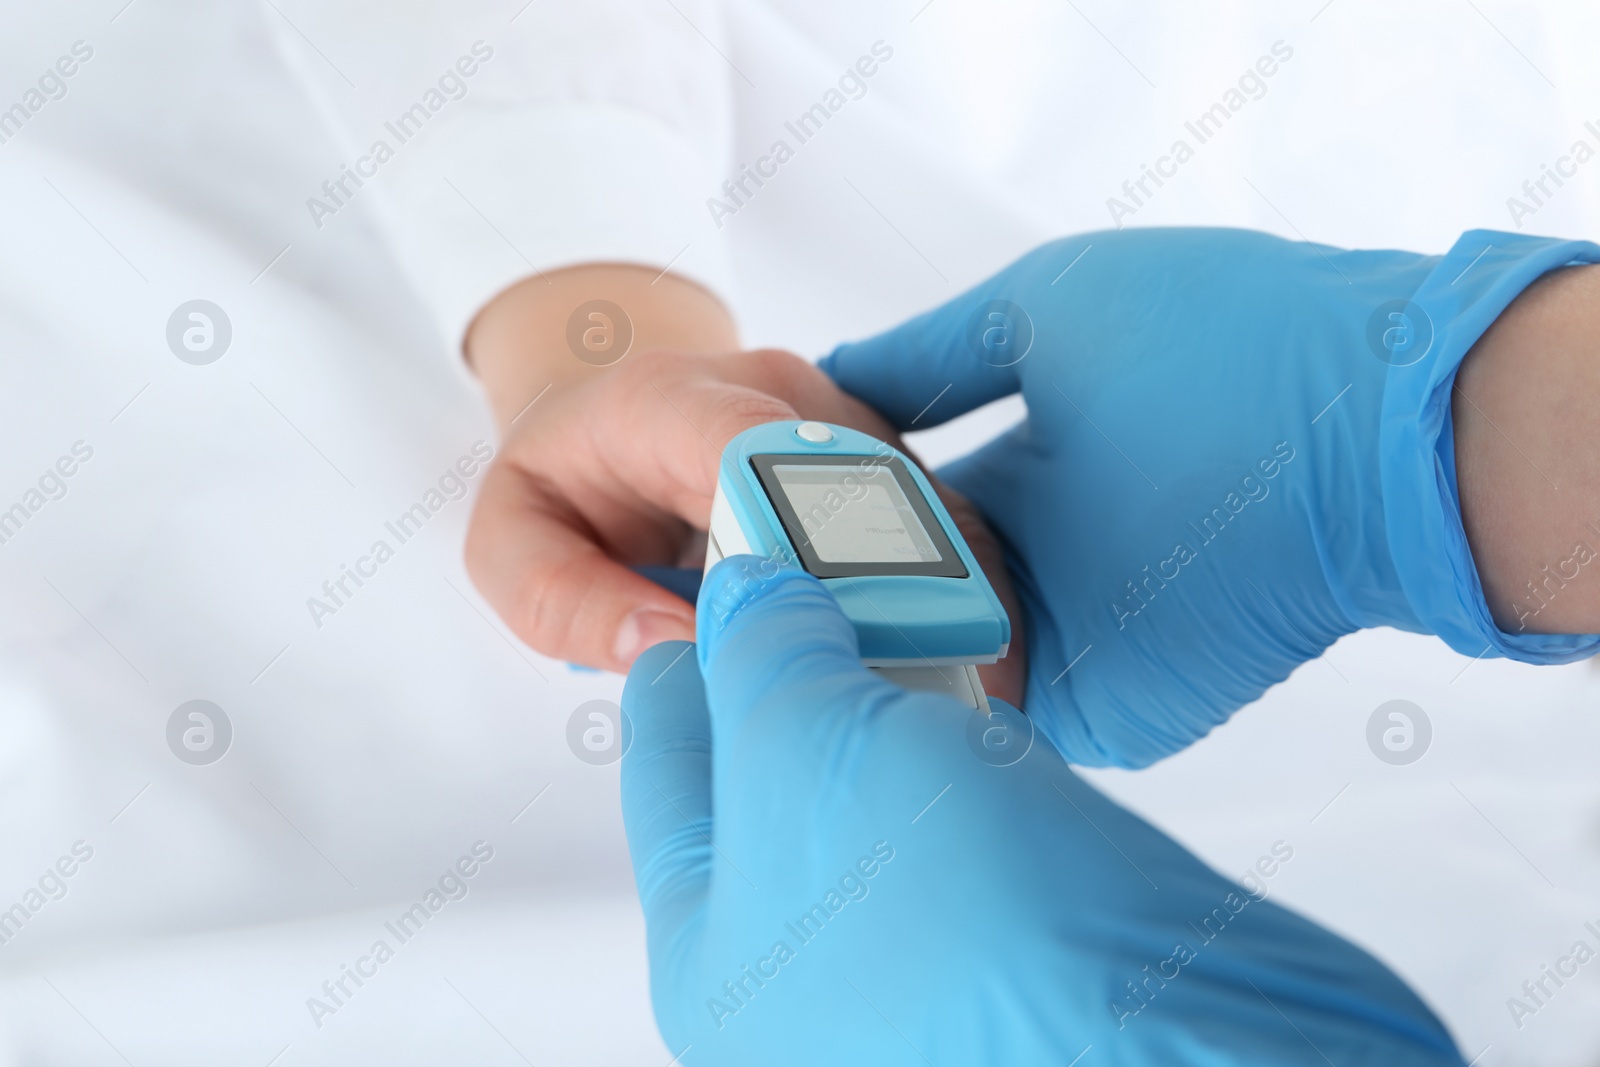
(1527, 438)
(519, 343)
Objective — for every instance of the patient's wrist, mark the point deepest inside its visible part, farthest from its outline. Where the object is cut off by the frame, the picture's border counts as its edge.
(541, 334)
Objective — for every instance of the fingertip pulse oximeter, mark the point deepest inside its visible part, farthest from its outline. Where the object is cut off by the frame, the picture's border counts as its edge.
(862, 517)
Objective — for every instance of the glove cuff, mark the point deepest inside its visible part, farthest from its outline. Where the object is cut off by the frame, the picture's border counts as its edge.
(1460, 299)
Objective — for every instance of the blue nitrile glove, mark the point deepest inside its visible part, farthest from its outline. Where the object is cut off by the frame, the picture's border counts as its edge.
(831, 875)
(1237, 450)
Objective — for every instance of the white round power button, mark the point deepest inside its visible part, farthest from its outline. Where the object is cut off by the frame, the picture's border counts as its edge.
(818, 433)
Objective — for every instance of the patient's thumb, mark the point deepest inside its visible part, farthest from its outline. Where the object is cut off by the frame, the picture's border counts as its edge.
(774, 641)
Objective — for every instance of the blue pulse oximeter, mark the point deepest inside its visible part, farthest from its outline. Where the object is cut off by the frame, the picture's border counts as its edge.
(861, 516)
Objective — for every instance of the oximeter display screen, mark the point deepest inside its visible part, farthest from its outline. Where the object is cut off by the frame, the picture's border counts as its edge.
(853, 515)
(857, 516)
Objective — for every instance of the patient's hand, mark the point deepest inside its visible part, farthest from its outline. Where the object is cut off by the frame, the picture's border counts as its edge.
(617, 468)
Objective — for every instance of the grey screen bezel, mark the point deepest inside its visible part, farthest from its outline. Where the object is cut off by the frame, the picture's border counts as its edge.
(949, 565)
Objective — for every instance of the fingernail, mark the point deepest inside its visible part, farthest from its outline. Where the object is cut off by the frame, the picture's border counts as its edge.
(646, 628)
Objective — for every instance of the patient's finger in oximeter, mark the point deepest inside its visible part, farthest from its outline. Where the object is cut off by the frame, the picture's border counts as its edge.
(863, 518)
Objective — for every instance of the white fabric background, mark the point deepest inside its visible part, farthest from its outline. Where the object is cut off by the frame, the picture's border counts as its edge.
(375, 750)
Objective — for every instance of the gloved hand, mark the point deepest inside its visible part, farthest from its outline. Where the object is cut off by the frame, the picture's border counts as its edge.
(831, 875)
(1237, 450)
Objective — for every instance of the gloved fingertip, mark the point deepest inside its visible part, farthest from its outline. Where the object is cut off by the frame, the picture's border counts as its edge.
(663, 701)
(941, 364)
(730, 588)
(658, 664)
(829, 364)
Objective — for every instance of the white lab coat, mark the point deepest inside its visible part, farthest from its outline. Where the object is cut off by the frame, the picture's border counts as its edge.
(376, 744)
